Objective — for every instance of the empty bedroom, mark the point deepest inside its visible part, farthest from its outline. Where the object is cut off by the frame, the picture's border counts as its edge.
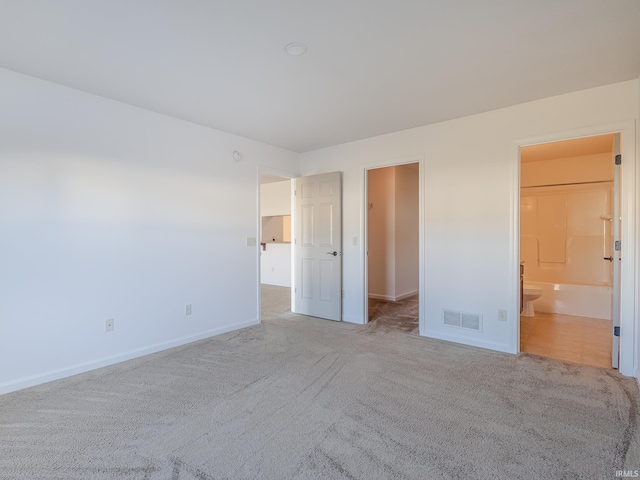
(282, 240)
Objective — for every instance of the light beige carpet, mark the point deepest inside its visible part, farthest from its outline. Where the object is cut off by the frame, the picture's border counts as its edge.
(301, 398)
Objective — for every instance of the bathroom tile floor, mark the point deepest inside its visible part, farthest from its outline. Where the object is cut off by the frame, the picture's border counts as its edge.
(575, 339)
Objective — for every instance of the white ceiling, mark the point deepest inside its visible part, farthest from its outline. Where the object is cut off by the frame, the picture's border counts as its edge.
(372, 66)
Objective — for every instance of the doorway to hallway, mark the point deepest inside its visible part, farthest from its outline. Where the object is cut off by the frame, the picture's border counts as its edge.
(392, 247)
(275, 242)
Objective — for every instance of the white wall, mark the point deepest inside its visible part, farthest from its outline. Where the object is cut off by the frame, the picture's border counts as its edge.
(275, 260)
(275, 264)
(468, 209)
(275, 198)
(382, 266)
(407, 230)
(111, 211)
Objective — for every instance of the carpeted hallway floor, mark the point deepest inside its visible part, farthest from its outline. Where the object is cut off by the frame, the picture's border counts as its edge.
(301, 398)
(401, 315)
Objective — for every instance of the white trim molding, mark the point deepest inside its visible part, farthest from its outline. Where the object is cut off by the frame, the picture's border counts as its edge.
(390, 298)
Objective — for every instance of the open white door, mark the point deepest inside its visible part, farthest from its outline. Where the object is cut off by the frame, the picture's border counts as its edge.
(317, 246)
(615, 257)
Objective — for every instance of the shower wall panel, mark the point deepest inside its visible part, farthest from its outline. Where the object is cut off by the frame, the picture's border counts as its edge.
(565, 234)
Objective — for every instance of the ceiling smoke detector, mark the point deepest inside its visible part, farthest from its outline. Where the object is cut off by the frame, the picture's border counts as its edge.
(296, 49)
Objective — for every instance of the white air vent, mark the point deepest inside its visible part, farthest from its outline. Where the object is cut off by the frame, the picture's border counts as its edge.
(471, 321)
(451, 318)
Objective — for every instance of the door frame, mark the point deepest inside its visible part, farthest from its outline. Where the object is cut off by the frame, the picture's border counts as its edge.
(284, 174)
(629, 264)
(364, 225)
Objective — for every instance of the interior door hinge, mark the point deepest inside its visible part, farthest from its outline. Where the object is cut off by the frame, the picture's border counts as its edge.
(616, 331)
(618, 159)
(617, 245)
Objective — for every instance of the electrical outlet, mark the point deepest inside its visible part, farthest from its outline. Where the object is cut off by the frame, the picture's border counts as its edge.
(502, 315)
(108, 325)
(251, 241)
(187, 310)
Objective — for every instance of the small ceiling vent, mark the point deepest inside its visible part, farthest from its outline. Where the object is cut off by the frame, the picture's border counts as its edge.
(470, 321)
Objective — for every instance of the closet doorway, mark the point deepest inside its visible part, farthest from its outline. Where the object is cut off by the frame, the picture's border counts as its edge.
(393, 247)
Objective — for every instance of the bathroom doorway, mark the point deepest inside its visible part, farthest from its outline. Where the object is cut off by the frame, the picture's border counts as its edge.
(569, 223)
(392, 245)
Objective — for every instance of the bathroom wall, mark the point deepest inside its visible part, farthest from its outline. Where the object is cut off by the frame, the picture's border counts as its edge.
(580, 169)
(565, 233)
(565, 230)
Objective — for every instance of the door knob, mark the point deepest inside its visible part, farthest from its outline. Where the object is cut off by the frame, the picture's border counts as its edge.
(335, 254)
(608, 258)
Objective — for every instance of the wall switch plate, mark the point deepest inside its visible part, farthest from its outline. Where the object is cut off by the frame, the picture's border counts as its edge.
(109, 325)
(251, 241)
(355, 241)
(502, 315)
(187, 310)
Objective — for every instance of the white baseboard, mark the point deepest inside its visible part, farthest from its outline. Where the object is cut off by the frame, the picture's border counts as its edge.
(50, 376)
(386, 298)
(498, 347)
(391, 298)
(406, 295)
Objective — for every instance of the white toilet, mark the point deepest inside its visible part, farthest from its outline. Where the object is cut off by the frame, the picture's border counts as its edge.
(529, 294)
